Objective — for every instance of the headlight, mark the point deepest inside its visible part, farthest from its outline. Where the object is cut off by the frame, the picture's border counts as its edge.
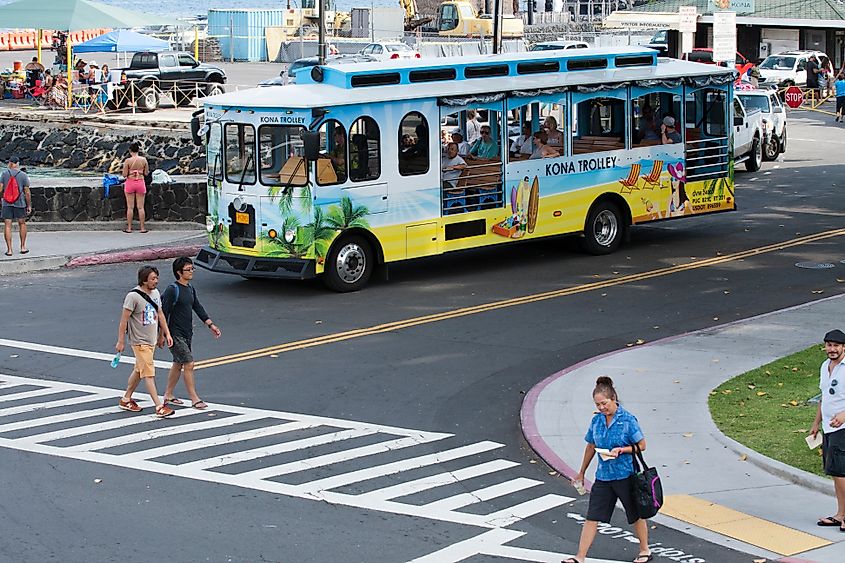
(290, 235)
(209, 223)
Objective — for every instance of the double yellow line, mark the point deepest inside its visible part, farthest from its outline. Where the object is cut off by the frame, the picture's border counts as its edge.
(514, 302)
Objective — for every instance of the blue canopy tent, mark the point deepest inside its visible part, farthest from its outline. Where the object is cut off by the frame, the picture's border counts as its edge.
(122, 41)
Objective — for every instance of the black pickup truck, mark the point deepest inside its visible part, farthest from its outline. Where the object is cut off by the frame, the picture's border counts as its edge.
(175, 73)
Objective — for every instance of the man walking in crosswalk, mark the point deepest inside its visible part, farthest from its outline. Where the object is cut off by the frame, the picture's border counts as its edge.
(179, 303)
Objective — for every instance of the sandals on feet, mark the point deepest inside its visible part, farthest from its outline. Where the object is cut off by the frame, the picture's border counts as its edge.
(829, 521)
(129, 405)
(644, 558)
(174, 401)
(570, 560)
(164, 411)
(200, 405)
(8, 253)
(25, 251)
(143, 231)
(127, 231)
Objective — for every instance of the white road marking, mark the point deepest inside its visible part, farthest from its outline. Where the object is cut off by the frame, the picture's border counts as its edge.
(27, 395)
(35, 347)
(493, 543)
(447, 478)
(274, 423)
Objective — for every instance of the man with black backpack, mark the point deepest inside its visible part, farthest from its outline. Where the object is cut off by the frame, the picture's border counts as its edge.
(179, 303)
(16, 203)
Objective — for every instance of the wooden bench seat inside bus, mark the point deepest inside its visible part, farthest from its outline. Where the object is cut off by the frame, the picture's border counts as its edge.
(295, 172)
(481, 175)
(588, 143)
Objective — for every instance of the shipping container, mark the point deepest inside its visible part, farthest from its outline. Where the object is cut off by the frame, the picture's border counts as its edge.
(240, 33)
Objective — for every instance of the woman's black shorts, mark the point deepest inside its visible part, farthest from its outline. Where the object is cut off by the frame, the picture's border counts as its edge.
(603, 499)
(840, 104)
(833, 453)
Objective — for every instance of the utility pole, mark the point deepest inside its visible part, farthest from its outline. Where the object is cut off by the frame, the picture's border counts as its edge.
(321, 48)
(497, 26)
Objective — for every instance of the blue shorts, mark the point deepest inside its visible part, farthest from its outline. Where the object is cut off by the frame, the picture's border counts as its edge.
(10, 212)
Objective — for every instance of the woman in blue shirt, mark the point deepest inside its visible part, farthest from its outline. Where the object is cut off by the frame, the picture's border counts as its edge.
(613, 429)
(839, 85)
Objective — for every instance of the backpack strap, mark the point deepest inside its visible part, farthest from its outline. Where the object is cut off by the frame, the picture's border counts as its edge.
(148, 299)
(175, 287)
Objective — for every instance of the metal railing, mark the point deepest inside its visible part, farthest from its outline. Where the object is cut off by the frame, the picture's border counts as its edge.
(707, 158)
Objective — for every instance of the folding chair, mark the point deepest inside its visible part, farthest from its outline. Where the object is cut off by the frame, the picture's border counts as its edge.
(653, 178)
(630, 183)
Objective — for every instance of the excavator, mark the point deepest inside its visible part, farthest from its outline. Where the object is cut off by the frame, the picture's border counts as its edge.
(459, 18)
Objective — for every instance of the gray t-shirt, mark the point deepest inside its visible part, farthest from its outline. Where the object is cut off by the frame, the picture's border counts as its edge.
(143, 322)
(451, 176)
(23, 182)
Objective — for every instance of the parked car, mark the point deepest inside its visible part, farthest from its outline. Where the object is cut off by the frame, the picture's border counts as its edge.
(660, 41)
(557, 45)
(748, 135)
(174, 72)
(389, 50)
(705, 55)
(288, 75)
(788, 68)
(774, 119)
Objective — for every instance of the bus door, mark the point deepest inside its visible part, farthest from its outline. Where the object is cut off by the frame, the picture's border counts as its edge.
(707, 134)
(240, 215)
(481, 136)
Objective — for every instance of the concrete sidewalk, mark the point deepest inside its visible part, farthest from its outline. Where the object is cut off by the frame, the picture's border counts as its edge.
(101, 242)
(756, 505)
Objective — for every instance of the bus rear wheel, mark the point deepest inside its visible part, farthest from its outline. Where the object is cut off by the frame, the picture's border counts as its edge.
(604, 230)
(349, 264)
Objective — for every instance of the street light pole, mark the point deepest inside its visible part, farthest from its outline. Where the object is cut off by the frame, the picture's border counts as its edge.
(321, 48)
(497, 26)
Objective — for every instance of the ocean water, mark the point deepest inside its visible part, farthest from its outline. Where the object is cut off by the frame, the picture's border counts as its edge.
(180, 8)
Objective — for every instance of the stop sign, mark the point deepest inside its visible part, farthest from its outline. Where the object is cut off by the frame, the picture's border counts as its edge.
(793, 96)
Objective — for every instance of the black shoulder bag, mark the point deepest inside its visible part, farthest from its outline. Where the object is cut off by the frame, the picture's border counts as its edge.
(147, 298)
(646, 489)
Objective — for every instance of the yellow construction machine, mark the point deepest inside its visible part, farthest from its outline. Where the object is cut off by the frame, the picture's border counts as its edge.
(459, 18)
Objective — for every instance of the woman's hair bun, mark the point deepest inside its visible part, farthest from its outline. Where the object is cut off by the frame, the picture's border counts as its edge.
(604, 380)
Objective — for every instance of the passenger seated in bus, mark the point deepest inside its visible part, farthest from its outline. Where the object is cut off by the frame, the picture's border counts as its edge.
(463, 146)
(541, 147)
(451, 169)
(338, 154)
(485, 148)
(648, 125)
(555, 137)
(359, 158)
(667, 131)
(523, 145)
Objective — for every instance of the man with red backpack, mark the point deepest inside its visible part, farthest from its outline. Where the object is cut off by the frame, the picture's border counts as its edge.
(16, 202)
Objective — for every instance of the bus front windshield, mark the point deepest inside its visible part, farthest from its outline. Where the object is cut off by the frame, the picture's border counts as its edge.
(279, 159)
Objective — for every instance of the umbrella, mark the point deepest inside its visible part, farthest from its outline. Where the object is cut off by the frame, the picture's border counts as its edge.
(122, 41)
(73, 15)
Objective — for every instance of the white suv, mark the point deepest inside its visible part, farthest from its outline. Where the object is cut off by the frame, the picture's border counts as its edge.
(788, 68)
(774, 119)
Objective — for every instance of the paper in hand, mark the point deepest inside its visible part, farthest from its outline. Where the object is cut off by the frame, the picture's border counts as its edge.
(814, 443)
(605, 454)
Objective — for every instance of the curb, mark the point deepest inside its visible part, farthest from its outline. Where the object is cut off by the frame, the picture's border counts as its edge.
(137, 255)
(115, 226)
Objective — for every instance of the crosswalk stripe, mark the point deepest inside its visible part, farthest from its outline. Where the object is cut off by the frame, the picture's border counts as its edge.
(101, 426)
(505, 517)
(481, 495)
(55, 419)
(220, 439)
(161, 432)
(9, 411)
(284, 447)
(441, 479)
(397, 466)
(336, 457)
(29, 394)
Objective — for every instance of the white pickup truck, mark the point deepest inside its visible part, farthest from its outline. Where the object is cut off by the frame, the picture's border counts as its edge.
(748, 136)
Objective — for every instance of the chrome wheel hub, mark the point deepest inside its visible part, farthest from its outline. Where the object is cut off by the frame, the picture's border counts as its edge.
(605, 228)
(351, 263)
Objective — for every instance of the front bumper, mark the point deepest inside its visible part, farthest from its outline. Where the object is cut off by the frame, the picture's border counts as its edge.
(255, 266)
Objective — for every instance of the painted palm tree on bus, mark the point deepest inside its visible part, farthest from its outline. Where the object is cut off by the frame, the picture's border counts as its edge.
(347, 215)
(285, 196)
(279, 247)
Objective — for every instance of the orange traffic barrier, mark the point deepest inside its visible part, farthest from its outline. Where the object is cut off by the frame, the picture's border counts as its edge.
(4, 41)
(75, 37)
(46, 39)
(28, 39)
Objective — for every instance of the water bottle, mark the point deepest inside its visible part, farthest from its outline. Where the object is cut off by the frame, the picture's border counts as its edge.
(116, 360)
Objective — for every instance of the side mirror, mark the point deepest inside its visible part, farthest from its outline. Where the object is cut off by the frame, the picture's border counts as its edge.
(778, 109)
(311, 144)
(197, 131)
(738, 120)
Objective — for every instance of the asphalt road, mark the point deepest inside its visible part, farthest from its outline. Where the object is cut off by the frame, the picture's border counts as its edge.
(463, 375)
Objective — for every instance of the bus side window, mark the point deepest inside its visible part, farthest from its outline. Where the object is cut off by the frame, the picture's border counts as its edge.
(600, 125)
(332, 163)
(413, 145)
(364, 150)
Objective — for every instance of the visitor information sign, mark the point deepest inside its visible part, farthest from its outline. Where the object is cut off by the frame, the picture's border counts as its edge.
(724, 37)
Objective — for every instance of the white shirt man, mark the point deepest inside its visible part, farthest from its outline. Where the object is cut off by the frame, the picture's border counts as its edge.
(452, 166)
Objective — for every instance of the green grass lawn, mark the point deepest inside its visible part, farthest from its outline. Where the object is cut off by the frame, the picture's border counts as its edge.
(766, 409)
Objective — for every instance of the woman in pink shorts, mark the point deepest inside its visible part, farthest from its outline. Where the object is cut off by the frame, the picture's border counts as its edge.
(134, 169)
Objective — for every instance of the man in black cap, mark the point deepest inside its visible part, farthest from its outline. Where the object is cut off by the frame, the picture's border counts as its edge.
(16, 203)
(830, 416)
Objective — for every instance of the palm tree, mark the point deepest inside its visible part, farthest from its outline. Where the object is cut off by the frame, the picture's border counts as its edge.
(347, 216)
(285, 196)
(321, 233)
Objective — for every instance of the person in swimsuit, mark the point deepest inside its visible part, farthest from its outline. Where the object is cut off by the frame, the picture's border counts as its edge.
(134, 169)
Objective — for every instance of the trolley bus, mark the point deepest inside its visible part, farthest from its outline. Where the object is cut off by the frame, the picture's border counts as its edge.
(343, 172)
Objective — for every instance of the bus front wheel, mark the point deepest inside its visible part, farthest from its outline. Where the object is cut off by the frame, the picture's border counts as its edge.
(604, 230)
(349, 264)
